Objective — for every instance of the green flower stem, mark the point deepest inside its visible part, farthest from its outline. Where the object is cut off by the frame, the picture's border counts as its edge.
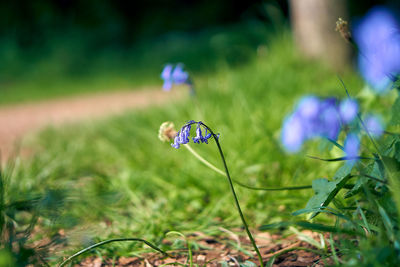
(110, 241)
(211, 166)
(253, 242)
(272, 188)
(203, 160)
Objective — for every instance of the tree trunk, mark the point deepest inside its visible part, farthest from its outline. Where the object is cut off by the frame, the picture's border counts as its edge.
(313, 23)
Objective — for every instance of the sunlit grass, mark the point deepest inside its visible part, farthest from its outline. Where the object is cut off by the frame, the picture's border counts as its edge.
(121, 181)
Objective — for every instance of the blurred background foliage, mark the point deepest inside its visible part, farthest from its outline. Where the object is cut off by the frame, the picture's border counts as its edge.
(51, 48)
(241, 56)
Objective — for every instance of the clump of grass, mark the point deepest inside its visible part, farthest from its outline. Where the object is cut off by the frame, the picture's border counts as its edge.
(118, 170)
(22, 218)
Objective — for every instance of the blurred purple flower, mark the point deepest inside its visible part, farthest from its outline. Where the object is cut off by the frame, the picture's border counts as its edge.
(378, 38)
(309, 107)
(330, 123)
(166, 76)
(352, 147)
(330, 120)
(179, 75)
(315, 117)
(348, 110)
(292, 136)
(374, 125)
(174, 75)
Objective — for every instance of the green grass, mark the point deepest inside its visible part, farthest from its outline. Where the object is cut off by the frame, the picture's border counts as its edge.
(73, 65)
(118, 171)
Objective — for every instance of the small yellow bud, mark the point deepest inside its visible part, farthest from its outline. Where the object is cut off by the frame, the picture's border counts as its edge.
(167, 131)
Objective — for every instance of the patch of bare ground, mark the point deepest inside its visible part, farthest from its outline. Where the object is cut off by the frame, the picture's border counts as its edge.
(17, 121)
(233, 250)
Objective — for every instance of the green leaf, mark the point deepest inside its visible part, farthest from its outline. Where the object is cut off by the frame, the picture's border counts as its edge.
(392, 164)
(396, 84)
(388, 145)
(311, 226)
(372, 169)
(343, 171)
(271, 261)
(275, 226)
(378, 170)
(326, 190)
(393, 173)
(323, 189)
(357, 187)
(396, 112)
(397, 151)
(387, 222)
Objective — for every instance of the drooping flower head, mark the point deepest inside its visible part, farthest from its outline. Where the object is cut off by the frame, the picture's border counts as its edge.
(183, 136)
(378, 38)
(174, 75)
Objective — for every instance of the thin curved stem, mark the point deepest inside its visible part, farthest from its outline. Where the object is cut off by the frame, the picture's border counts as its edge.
(253, 242)
(110, 241)
(372, 178)
(211, 166)
(203, 160)
(272, 188)
(340, 159)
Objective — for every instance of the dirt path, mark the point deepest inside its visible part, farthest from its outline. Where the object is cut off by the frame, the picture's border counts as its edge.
(19, 120)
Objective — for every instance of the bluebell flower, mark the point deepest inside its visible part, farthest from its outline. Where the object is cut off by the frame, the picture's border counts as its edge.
(330, 125)
(374, 125)
(293, 134)
(378, 38)
(309, 107)
(179, 76)
(174, 75)
(166, 76)
(307, 112)
(315, 117)
(352, 147)
(312, 118)
(183, 136)
(348, 110)
(176, 143)
(199, 137)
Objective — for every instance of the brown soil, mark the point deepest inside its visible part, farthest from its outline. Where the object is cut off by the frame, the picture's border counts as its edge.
(19, 120)
(289, 251)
